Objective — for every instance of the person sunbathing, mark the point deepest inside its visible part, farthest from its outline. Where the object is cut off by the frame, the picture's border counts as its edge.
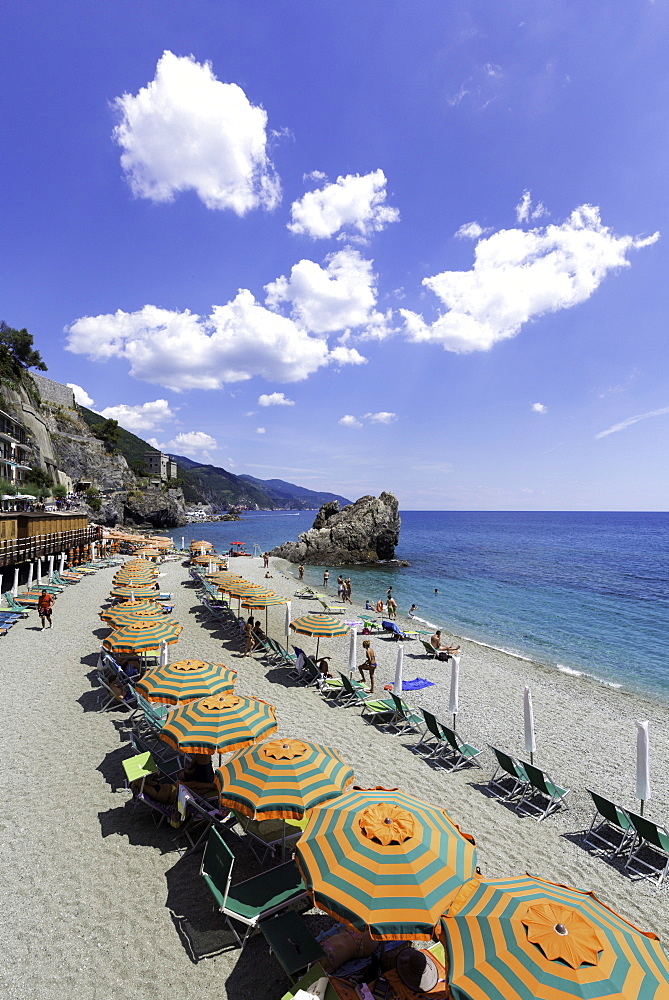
(436, 643)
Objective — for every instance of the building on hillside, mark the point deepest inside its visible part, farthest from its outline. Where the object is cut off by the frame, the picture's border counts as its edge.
(14, 446)
(160, 466)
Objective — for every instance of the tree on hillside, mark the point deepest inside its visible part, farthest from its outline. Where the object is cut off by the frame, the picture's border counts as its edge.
(109, 432)
(37, 476)
(17, 353)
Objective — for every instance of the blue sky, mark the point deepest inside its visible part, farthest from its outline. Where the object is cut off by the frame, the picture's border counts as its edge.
(236, 225)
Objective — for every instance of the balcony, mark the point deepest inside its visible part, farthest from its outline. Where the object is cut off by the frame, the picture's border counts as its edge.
(18, 550)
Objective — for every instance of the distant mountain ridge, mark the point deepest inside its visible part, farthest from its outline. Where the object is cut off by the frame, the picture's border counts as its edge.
(279, 488)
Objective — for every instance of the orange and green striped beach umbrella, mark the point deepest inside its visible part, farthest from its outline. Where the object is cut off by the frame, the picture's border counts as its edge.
(382, 859)
(527, 939)
(143, 636)
(218, 724)
(186, 680)
(135, 590)
(131, 611)
(281, 779)
(255, 602)
(320, 626)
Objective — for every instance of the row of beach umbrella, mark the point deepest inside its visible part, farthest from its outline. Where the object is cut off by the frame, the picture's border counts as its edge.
(383, 861)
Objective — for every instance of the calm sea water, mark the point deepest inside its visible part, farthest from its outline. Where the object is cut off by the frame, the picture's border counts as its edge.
(583, 592)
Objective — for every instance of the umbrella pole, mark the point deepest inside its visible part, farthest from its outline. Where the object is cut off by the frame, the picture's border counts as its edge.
(318, 639)
(266, 621)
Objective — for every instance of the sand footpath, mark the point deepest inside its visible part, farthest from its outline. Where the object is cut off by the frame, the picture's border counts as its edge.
(97, 904)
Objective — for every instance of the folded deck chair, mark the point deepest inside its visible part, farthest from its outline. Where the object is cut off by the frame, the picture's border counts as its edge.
(247, 902)
(653, 840)
(610, 821)
(459, 753)
(540, 785)
(509, 777)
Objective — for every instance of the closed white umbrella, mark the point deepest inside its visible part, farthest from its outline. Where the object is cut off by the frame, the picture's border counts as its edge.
(39, 572)
(164, 655)
(455, 686)
(183, 542)
(352, 656)
(528, 711)
(642, 764)
(30, 576)
(15, 585)
(399, 668)
(61, 564)
(288, 617)
(50, 568)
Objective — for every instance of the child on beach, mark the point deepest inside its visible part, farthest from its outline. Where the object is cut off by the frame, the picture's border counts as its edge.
(369, 664)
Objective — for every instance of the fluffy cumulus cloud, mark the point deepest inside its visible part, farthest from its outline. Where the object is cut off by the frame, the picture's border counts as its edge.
(191, 442)
(274, 399)
(80, 395)
(143, 417)
(181, 350)
(356, 202)
(519, 275)
(348, 420)
(186, 130)
(539, 408)
(339, 296)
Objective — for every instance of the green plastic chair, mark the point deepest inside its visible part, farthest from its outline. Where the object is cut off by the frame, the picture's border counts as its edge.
(609, 820)
(540, 785)
(433, 734)
(654, 841)
(406, 719)
(508, 770)
(250, 901)
(460, 753)
(371, 707)
(291, 943)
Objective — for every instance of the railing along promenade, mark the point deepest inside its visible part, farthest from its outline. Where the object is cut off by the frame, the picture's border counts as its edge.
(19, 550)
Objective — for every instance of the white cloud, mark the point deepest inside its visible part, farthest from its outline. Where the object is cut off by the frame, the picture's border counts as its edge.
(632, 420)
(347, 356)
(315, 175)
(275, 399)
(471, 231)
(349, 421)
(525, 212)
(80, 395)
(539, 408)
(382, 417)
(191, 441)
(186, 130)
(353, 202)
(260, 430)
(519, 275)
(143, 417)
(341, 295)
(181, 350)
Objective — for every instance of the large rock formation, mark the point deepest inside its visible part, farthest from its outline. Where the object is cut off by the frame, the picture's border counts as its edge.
(158, 508)
(364, 532)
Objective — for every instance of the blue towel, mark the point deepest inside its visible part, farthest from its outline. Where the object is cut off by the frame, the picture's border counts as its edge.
(416, 684)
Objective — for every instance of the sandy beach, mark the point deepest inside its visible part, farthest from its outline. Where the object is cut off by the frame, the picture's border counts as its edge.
(98, 904)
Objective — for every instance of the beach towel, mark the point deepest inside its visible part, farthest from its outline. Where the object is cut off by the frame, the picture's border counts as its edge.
(416, 684)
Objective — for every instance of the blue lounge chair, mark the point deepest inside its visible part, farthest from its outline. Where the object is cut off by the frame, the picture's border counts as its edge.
(396, 631)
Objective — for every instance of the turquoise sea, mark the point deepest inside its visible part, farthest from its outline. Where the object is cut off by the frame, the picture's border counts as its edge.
(583, 592)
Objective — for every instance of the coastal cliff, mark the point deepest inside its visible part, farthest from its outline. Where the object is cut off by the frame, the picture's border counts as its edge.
(366, 531)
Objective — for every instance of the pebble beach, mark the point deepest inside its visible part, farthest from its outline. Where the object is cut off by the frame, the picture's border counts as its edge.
(98, 904)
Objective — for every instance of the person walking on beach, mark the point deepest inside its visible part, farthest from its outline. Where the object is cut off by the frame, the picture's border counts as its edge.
(247, 635)
(300, 571)
(392, 607)
(326, 577)
(340, 588)
(347, 590)
(265, 560)
(369, 664)
(44, 607)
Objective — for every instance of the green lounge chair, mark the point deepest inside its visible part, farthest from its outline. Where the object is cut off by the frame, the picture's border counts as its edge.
(291, 943)
(609, 820)
(21, 602)
(509, 772)
(429, 649)
(269, 837)
(406, 720)
(460, 753)
(653, 840)
(250, 901)
(433, 735)
(18, 608)
(540, 785)
(372, 708)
